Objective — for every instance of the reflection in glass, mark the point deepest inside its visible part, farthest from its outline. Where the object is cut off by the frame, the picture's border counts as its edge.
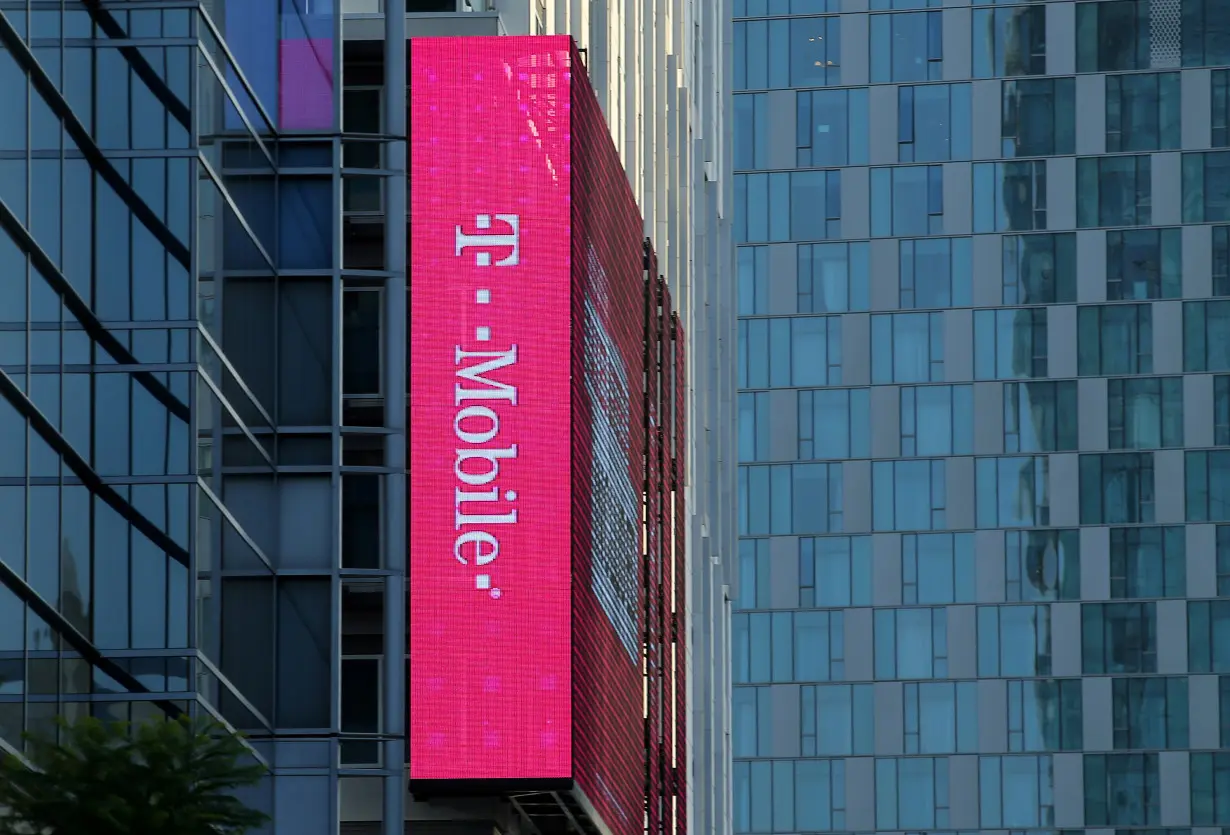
(1039, 117)
(1112, 36)
(1040, 416)
(1115, 339)
(1014, 641)
(1010, 343)
(1117, 488)
(1144, 264)
(1042, 565)
(1206, 187)
(1206, 336)
(1045, 715)
(1009, 41)
(1010, 196)
(1150, 712)
(1145, 413)
(1040, 269)
(1208, 486)
(1114, 191)
(1013, 492)
(1119, 638)
(1122, 790)
(1210, 776)
(1142, 112)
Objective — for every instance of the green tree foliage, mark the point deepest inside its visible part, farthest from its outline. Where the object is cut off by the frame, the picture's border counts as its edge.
(161, 778)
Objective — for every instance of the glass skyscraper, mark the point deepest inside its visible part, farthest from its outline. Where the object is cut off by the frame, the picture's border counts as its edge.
(984, 416)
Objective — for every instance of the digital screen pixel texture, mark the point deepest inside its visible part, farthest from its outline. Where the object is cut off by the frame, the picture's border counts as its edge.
(490, 335)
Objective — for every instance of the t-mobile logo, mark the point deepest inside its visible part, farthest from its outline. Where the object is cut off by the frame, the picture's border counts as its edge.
(491, 240)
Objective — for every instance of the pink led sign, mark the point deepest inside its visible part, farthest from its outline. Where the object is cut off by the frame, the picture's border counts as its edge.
(490, 411)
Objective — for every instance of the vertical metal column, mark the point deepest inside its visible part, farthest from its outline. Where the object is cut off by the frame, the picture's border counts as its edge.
(395, 347)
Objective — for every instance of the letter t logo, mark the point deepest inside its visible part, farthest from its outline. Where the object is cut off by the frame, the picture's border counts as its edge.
(491, 240)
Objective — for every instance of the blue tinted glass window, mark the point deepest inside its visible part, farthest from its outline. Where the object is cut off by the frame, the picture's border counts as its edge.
(1117, 488)
(1148, 562)
(1122, 790)
(907, 200)
(933, 122)
(1014, 640)
(798, 52)
(1040, 416)
(1112, 36)
(1150, 712)
(936, 420)
(1016, 792)
(1142, 112)
(787, 352)
(909, 495)
(941, 717)
(937, 568)
(1119, 638)
(1013, 491)
(837, 719)
(1039, 117)
(1009, 41)
(911, 643)
(907, 47)
(1010, 344)
(1010, 196)
(934, 272)
(907, 348)
(834, 571)
(833, 423)
(1042, 565)
(1040, 269)
(912, 793)
(833, 278)
(791, 499)
(1205, 32)
(1208, 486)
(1115, 339)
(1145, 413)
(1144, 264)
(832, 128)
(1045, 715)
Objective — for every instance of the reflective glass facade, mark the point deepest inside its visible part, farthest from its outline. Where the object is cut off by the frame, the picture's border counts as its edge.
(985, 495)
(200, 441)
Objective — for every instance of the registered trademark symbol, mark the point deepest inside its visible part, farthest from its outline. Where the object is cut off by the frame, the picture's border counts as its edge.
(495, 594)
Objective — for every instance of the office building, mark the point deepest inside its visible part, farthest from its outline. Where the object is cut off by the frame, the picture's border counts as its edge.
(203, 363)
(983, 398)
